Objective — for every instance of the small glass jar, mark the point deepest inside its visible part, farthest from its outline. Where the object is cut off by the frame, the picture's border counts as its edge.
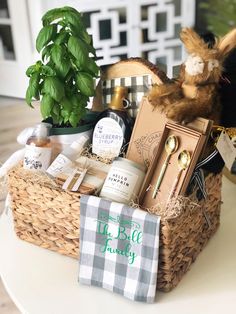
(123, 181)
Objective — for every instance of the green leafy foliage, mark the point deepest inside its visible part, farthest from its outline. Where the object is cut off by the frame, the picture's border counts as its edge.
(47, 104)
(48, 71)
(220, 15)
(62, 37)
(64, 78)
(85, 83)
(78, 49)
(33, 88)
(31, 70)
(57, 54)
(92, 68)
(45, 35)
(54, 87)
(63, 68)
(46, 51)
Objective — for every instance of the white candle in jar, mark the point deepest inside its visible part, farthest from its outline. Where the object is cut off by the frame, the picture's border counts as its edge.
(123, 181)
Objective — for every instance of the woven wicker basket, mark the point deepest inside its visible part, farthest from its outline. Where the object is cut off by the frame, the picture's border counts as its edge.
(49, 217)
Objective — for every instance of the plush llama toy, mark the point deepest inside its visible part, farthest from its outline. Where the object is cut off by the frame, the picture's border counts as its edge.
(195, 92)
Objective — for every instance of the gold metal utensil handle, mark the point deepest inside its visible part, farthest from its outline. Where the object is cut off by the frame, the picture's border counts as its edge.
(160, 178)
(173, 190)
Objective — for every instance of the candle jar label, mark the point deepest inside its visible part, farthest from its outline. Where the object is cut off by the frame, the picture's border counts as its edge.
(120, 184)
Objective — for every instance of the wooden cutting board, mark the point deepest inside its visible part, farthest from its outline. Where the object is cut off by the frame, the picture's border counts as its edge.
(125, 68)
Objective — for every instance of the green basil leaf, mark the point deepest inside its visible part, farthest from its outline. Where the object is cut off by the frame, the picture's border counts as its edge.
(82, 34)
(31, 69)
(67, 104)
(78, 101)
(78, 64)
(34, 85)
(85, 83)
(57, 54)
(46, 51)
(54, 87)
(38, 65)
(56, 115)
(66, 120)
(60, 120)
(74, 119)
(45, 35)
(46, 105)
(91, 49)
(65, 114)
(84, 99)
(63, 68)
(48, 71)
(92, 67)
(56, 110)
(58, 13)
(72, 18)
(28, 97)
(67, 9)
(33, 88)
(77, 26)
(78, 49)
(55, 118)
(80, 111)
(85, 38)
(52, 15)
(62, 38)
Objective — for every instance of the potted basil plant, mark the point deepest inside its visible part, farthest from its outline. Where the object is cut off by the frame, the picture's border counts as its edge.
(63, 80)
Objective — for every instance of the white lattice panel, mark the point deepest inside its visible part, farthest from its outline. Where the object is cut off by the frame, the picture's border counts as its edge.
(143, 28)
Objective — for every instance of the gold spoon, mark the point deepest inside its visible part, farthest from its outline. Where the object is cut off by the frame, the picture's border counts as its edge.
(171, 146)
(184, 159)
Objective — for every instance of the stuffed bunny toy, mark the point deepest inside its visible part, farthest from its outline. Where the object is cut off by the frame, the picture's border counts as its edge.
(195, 92)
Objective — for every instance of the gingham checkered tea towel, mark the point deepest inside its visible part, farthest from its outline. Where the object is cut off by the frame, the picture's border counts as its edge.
(118, 248)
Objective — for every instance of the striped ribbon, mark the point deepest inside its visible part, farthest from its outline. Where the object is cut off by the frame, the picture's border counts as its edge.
(198, 179)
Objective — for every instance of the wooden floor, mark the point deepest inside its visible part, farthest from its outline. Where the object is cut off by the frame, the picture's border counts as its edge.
(15, 115)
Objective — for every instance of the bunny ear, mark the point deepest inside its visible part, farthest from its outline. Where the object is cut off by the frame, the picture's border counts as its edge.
(193, 42)
(227, 43)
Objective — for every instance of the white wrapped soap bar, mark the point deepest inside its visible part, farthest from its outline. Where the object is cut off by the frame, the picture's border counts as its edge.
(95, 175)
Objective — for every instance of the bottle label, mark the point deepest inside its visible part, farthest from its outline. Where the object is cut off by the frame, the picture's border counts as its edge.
(37, 158)
(107, 138)
(60, 165)
(120, 183)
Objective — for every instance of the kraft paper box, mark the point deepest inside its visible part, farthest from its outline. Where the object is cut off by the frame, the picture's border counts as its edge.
(148, 129)
(188, 139)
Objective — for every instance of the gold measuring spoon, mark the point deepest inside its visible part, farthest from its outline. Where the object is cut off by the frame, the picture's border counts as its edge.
(171, 146)
(184, 159)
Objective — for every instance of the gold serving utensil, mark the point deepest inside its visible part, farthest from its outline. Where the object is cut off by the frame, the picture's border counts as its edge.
(184, 159)
(171, 146)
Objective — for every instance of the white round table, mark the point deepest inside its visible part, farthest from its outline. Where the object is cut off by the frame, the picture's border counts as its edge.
(40, 281)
